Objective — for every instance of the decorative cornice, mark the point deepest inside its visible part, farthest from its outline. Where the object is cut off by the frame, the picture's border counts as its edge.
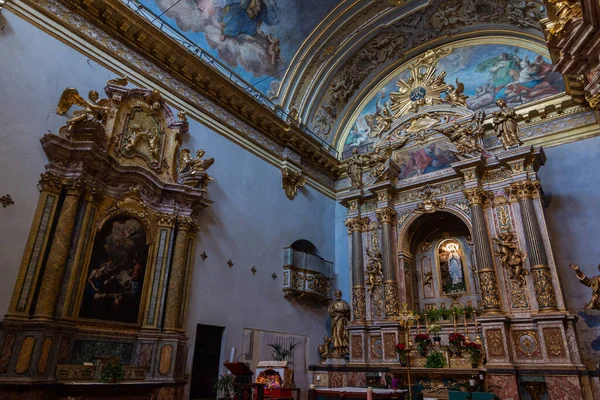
(191, 83)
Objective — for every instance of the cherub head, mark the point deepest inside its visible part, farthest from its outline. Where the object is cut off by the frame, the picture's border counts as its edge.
(501, 103)
(200, 153)
(93, 95)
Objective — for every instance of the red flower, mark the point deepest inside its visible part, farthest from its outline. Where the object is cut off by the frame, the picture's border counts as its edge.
(400, 347)
(456, 339)
(422, 337)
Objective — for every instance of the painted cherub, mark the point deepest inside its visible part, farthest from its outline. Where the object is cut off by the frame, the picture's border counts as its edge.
(93, 109)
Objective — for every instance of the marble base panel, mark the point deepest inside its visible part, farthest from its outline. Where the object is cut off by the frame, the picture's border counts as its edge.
(508, 388)
(563, 388)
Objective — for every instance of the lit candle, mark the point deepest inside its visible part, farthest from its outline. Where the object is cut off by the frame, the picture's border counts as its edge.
(312, 385)
(231, 357)
(318, 378)
(369, 393)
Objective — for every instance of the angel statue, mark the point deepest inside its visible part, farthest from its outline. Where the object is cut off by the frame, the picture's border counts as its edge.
(466, 137)
(456, 97)
(510, 255)
(593, 283)
(325, 348)
(195, 166)
(94, 109)
(506, 126)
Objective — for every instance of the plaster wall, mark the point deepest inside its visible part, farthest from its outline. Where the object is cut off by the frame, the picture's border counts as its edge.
(250, 222)
(572, 185)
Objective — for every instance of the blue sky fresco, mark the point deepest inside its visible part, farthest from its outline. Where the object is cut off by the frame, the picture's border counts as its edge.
(488, 71)
(257, 39)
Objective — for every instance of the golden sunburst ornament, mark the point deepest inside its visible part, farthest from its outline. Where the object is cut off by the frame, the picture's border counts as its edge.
(423, 88)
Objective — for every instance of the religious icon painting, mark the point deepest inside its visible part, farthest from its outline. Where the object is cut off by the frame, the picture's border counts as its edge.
(451, 264)
(115, 277)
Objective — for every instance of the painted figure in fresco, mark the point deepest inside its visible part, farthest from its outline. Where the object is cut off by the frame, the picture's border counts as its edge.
(339, 310)
(114, 286)
(454, 264)
(246, 17)
(426, 159)
(506, 126)
(593, 283)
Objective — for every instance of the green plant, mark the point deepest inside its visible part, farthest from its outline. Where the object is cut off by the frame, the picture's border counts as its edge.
(475, 352)
(458, 311)
(433, 314)
(281, 352)
(224, 385)
(445, 313)
(469, 310)
(112, 372)
(435, 359)
(435, 329)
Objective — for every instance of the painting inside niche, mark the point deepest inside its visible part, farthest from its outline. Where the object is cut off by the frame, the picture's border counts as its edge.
(417, 161)
(488, 71)
(115, 278)
(452, 271)
(255, 38)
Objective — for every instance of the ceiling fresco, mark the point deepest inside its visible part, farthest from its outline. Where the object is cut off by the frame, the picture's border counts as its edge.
(257, 39)
(487, 71)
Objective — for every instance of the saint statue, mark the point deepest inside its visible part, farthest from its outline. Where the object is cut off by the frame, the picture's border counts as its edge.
(505, 124)
(454, 264)
(356, 164)
(593, 283)
(339, 310)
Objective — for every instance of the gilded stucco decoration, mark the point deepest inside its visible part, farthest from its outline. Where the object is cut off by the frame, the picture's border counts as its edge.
(495, 343)
(490, 297)
(359, 307)
(567, 15)
(357, 346)
(374, 269)
(93, 111)
(290, 181)
(466, 137)
(391, 297)
(593, 283)
(542, 283)
(429, 201)
(554, 342)
(511, 257)
(527, 343)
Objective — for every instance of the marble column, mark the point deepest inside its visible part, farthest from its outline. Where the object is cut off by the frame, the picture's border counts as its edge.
(59, 251)
(176, 289)
(386, 216)
(524, 192)
(490, 295)
(355, 227)
(50, 186)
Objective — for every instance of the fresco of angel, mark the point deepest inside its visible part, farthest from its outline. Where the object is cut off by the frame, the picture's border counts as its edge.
(246, 17)
(93, 109)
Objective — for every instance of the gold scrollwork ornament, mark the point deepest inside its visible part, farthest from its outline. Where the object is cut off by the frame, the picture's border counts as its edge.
(359, 306)
(391, 298)
(430, 203)
(291, 181)
(490, 298)
(542, 284)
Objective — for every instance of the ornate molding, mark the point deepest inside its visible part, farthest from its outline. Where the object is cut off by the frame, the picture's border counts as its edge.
(290, 182)
(523, 190)
(359, 307)
(386, 215)
(478, 196)
(357, 224)
(430, 203)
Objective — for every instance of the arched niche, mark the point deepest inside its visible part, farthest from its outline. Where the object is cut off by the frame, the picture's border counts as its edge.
(305, 246)
(113, 282)
(438, 253)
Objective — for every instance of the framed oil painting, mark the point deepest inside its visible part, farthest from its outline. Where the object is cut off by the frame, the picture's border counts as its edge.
(115, 276)
(452, 267)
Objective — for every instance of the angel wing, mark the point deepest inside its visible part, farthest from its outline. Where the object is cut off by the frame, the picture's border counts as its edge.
(69, 97)
(460, 87)
(207, 163)
(123, 81)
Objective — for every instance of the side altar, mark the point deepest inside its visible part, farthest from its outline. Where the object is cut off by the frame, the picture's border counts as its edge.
(102, 292)
(463, 253)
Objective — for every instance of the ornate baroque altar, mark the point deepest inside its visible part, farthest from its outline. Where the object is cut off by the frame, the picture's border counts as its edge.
(107, 266)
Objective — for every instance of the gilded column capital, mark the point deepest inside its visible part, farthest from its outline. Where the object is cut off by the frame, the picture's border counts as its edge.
(478, 196)
(186, 223)
(75, 186)
(523, 190)
(357, 224)
(166, 220)
(51, 182)
(386, 215)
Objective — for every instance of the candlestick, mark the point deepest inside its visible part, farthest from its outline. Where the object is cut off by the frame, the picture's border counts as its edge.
(466, 327)
(454, 321)
(427, 323)
(418, 325)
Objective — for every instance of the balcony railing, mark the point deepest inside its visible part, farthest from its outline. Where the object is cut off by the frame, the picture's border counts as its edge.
(215, 64)
(307, 275)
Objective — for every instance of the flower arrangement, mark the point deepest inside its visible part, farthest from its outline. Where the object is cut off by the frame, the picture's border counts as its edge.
(112, 372)
(435, 330)
(402, 351)
(423, 342)
(475, 353)
(457, 343)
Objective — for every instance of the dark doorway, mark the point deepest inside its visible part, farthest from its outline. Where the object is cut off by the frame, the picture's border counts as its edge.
(205, 367)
